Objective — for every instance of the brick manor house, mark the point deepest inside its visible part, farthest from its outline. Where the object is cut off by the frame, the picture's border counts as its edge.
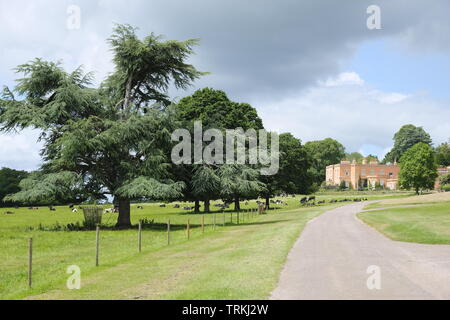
(363, 174)
(368, 174)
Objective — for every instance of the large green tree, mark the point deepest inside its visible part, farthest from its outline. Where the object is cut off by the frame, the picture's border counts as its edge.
(417, 168)
(239, 182)
(443, 154)
(324, 153)
(405, 138)
(112, 139)
(215, 111)
(206, 184)
(9, 183)
(293, 176)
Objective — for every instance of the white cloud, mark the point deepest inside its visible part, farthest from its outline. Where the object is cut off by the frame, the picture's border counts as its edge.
(20, 151)
(343, 79)
(356, 115)
(390, 98)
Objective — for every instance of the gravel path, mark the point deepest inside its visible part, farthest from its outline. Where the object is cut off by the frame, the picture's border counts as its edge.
(331, 259)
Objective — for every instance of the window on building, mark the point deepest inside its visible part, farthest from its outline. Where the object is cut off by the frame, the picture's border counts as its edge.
(363, 172)
(347, 173)
(382, 172)
(372, 172)
(391, 174)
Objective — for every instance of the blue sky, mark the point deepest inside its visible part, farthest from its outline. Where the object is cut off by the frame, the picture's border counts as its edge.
(392, 68)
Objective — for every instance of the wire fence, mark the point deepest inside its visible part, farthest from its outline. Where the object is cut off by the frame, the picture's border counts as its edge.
(150, 235)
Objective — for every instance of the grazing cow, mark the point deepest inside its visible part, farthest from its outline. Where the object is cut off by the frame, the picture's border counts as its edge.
(140, 207)
(108, 210)
(74, 210)
(177, 206)
(9, 212)
(51, 208)
(188, 208)
(162, 205)
(303, 200)
(313, 198)
(71, 206)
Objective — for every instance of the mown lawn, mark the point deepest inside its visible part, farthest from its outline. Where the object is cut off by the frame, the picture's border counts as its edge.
(233, 253)
(235, 262)
(257, 242)
(426, 223)
(411, 200)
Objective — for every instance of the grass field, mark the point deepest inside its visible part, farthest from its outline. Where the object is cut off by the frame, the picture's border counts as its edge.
(424, 219)
(411, 200)
(239, 262)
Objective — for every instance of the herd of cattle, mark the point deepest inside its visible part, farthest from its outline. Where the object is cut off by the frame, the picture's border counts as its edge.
(311, 201)
(305, 201)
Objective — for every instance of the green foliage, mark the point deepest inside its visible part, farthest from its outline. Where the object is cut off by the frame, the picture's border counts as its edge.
(371, 157)
(108, 140)
(293, 176)
(405, 138)
(324, 153)
(342, 186)
(9, 183)
(445, 179)
(216, 110)
(354, 156)
(443, 154)
(239, 181)
(446, 188)
(48, 188)
(205, 182)
(150, 189)
(378, 186)
(417, 168)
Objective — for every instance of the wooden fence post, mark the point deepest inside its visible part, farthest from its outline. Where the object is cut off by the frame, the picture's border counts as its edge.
(140, 236)
(168, 232)
(188, 230)
(214, 222)
(203, 223)
(97, 244)
(223, 216)
(30, 262)
(238, 217)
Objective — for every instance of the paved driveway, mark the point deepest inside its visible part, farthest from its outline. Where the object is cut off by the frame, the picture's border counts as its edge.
(337, 255)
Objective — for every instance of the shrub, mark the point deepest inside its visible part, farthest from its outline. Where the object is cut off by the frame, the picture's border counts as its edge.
(445, 179)
(446, 188)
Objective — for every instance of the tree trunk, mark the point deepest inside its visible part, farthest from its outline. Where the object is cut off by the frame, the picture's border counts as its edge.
(417, 191)
(267, 203)
(197, 206)
(207, 203)
(124, 221)
(237, 205)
